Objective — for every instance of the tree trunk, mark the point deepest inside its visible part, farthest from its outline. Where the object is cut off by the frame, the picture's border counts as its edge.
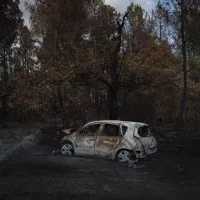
(60, 103)
(113, 88)
(5, 80)
(160, 37)
(112, 103)
(97, 104)
(180, 120)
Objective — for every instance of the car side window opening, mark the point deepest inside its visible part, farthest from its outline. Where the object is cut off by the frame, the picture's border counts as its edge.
(90, 130)
(111, 130)
(144, 131)
(124, 129)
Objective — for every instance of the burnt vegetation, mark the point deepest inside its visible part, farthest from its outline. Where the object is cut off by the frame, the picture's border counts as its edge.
(80, 61)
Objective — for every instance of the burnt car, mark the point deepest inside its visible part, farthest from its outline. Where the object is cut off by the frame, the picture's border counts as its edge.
(119, 140)
(52, 135)
(68, 131)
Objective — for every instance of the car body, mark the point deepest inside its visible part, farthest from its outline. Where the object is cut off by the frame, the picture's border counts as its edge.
(69, 131)
(111, 139)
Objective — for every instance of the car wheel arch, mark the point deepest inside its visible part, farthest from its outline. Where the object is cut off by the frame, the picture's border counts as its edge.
(67, 142)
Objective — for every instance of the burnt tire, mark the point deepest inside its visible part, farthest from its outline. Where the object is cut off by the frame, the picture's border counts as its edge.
(67, 149)
(124, 156)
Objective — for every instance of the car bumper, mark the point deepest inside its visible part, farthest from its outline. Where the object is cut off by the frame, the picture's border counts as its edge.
(151, 150)
(140, 154)
(144, 153)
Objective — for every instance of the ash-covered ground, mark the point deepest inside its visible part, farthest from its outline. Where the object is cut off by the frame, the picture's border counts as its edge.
(36, 173)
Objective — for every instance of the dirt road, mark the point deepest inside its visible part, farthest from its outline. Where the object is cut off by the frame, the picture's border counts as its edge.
(38, 174)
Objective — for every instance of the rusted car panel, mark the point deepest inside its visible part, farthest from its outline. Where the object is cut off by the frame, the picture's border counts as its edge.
(107, 138)
(85, 145)
(106, 146)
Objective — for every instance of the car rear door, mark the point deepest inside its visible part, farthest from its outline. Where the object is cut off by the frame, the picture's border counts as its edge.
(108, 139)
(85, 139)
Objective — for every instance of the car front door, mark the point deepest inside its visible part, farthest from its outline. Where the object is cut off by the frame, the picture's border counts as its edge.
(108, 140)
(85, 140)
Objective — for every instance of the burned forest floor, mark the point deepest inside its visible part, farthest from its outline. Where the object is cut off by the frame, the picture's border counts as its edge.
(36, 173)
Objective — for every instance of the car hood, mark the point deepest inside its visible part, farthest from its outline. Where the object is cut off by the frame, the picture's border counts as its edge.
(69, 131)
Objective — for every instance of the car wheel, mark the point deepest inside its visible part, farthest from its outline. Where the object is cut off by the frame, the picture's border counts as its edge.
(67, 149)
(124, 156)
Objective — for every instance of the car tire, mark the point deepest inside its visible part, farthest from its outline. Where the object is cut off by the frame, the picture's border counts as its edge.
(124, 156)
(67, 149)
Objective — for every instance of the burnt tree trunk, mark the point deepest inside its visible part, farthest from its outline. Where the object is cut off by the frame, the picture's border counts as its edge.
(5, 81)
(160, 36)
(97, 104)
(60, 103)
(112, 98)
(113, 87)
(179, 120)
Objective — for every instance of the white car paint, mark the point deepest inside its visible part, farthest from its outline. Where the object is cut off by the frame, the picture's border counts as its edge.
(108, 146)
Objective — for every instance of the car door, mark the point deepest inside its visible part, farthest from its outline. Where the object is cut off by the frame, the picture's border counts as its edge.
(85, 140)
(108, 139)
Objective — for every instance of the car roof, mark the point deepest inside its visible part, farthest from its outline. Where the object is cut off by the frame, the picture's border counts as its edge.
(126, 123)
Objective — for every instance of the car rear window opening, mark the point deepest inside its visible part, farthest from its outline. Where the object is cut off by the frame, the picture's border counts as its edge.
(144, 131)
